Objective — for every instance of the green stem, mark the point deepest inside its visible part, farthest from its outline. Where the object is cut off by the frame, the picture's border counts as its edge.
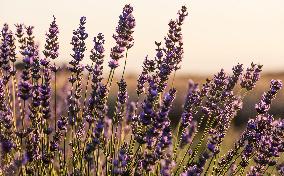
(196, 149)
(228, 167)
(124, 67)
(55, 102)
(97, 162)
(208, 167)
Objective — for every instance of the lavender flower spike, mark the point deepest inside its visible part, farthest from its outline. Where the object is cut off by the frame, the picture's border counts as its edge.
(123, 37)
(251, 76)
(52, 45)
(264, 105)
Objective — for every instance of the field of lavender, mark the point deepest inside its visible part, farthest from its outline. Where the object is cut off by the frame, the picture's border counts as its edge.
(74, 120)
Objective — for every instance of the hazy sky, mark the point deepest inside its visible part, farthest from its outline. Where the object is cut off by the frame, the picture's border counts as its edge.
(217, 33)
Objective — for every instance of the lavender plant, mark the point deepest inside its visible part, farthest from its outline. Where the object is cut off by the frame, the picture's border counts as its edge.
(40, 135)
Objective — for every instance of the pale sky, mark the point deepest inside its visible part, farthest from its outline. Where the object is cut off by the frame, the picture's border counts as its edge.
(217, 33)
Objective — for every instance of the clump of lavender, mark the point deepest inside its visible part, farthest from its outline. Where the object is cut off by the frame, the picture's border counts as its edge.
(46, 133)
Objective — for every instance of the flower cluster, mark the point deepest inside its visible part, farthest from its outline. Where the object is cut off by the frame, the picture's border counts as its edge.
(251, 76)
(52, 45)
(97, 57)
(148, 67)
(7, 53)
(264, 105)
(123, 37)
(170, 57)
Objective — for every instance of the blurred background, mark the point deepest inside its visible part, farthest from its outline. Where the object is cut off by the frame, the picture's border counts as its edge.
(217, 34)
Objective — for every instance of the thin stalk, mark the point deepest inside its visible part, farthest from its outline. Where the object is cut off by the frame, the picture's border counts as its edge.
(184, 156)
(196, 149)
(88, 168)
(173, 81)
(240, 167)
(109, 76)
(208, 167)
(64, 152)
(189, 146)
(237, 170)
(97, 160)
(111, 79)
(242, 171)
(178, 140)
(124, 67)
(106, 167)
(55, 101)
(112, 147)
(228, 167)
(86, 91)
(135, 153)
(272, 170)
(214, 164)
(266, 169)
(14, 100)
(23, 124)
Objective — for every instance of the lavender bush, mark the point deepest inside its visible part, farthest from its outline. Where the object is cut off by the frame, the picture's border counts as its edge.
(43, 135)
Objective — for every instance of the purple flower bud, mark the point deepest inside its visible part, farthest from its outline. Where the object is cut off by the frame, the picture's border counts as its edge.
(113, 64)
(25, 89)
(7, 145)
(251, 76)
